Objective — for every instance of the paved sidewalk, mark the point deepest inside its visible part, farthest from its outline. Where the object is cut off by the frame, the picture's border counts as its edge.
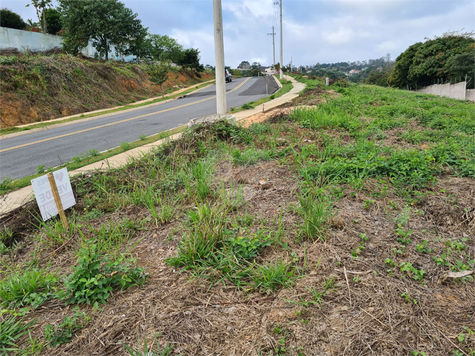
(15, 199)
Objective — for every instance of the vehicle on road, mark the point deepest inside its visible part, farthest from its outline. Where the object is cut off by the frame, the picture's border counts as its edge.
(229, 77)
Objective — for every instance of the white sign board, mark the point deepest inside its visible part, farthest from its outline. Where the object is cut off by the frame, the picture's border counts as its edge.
(44, 195)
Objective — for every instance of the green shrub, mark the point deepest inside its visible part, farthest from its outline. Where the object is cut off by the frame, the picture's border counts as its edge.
(97, 275)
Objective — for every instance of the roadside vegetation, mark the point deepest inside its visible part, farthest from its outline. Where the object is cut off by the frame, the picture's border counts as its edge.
(344, 223)
(37, 88)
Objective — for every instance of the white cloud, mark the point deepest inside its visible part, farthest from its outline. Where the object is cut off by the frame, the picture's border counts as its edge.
(389, 46)
(314, 30)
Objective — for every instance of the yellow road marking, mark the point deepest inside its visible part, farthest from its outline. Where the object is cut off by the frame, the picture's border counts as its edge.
(118, 122)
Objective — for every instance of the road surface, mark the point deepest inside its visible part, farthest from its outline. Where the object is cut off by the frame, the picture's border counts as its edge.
(20, 155)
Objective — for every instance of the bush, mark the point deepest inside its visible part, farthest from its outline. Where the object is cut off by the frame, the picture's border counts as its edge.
(11, 19)
(97, 275)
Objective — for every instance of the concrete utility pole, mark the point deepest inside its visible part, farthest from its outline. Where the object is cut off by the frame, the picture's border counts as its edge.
(273, 42)
(221, 107)
(281, 45)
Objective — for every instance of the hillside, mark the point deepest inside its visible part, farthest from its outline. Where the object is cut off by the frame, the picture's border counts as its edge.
(39, 88)
(344, 224)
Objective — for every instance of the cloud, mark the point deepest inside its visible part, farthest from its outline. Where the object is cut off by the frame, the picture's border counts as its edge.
(388, 46)
(314, 31)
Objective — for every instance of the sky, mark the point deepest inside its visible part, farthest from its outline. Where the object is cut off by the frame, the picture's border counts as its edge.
(314, 31)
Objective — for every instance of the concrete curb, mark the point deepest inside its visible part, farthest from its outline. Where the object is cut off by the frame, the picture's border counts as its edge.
(19, 197)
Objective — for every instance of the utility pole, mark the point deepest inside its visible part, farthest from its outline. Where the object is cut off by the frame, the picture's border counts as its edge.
(221, 107)
(273, 42)
(281, 45)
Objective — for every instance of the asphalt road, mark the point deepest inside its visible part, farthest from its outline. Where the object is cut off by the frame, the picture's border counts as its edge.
(20, 155)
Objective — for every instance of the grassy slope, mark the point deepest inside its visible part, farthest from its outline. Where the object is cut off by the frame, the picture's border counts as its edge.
(330, 230)
(41, 88)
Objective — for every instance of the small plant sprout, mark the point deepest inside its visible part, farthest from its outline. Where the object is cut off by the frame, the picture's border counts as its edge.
(368, 203)
(5, 184)
(423, 248)
(166, 351)
(389, 262)
(411, 271)
(125, 146)
(40, 169)
(92, 153)
(64, 332)
(316, 295)
(408, 298)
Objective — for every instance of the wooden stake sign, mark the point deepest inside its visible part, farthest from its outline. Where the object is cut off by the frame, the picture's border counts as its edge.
(57, 199)
(54, 194)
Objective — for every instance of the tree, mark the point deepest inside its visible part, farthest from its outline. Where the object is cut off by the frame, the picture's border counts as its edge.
(158, 73)
(244, 65)
(40, 6)
(191, 60)
(423, 63)
(141, 47)
(11, 19)
(403, 63)
(379, 78)
(166, 48)
(53, 20)
(462, 65)
(106, 23)
(32, 24)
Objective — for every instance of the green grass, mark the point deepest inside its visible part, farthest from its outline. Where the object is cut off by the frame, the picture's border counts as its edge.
(12, 329)
(271, 276)
(31, 287)
(315, 209)
(9, 185)
(332, 170)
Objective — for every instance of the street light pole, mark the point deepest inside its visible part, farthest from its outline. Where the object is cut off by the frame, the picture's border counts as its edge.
(281, 45)
(273, 43)
(221, 107)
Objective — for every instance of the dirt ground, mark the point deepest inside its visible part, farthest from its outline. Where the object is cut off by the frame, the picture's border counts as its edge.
(370, 308)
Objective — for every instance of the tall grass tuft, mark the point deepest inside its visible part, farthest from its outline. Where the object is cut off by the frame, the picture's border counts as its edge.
(315, 209)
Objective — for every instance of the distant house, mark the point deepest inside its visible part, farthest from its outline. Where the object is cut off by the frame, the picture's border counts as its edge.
(379, 69)
(355, 71)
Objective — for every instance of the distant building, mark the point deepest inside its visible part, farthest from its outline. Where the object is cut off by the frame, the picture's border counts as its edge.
(355, 71)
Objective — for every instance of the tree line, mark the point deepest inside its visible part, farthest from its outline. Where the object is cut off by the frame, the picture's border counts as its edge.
(449, 58)
(108, 24)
